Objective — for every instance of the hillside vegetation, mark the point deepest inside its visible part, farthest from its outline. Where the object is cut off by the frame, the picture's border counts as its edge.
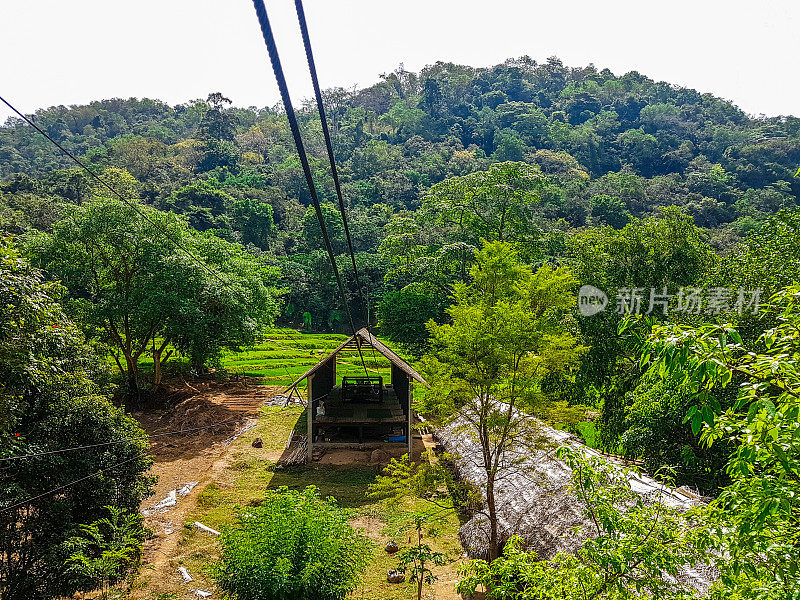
(482, 203)
(613, 148)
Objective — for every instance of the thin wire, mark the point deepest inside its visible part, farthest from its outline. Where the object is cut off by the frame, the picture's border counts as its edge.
(133, 205)
(66, 485)
(301, 17)
(123, 440)
(269, 39)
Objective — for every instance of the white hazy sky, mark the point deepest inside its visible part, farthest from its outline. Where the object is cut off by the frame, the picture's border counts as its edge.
(55, 52)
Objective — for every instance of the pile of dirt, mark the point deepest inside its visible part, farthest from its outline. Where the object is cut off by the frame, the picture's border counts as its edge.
(208, 413)
(202, 411)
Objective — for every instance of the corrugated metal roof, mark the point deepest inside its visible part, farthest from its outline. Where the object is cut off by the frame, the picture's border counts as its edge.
(365, 340)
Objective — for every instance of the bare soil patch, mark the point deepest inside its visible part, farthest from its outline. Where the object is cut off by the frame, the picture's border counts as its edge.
(222, 410)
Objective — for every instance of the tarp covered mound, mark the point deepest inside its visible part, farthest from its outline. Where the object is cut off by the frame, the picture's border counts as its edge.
(534, 498)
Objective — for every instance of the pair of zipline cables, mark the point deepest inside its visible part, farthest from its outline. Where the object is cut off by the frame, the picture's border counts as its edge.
(269, 39)
(276, 64)
(301, 17)
(262, 15)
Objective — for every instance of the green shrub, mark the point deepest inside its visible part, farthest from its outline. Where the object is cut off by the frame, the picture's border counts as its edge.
(52, 397)
(294, 546)
(102, 552)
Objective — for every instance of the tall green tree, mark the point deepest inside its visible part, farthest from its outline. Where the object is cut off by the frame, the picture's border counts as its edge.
(227, 304)
(510, 328)
(769, 258)
(610, 211)
(334, 226)
(754, 523)
(205, 205)
(122, 274)
(254, 220)
(494, 205)
(53, 396)
(218, 123)
(402, 315)
(133, 289)
(661, 253)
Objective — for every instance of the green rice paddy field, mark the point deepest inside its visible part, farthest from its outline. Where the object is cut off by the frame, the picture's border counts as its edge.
(283, 355)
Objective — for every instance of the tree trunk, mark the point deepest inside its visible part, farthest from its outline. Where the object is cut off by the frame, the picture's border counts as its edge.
(156, 368)
(494, 550)
(133, 387)
(133, 377)
(158, 361)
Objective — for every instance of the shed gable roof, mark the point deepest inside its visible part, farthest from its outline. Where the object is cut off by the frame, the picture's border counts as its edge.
(363, 339)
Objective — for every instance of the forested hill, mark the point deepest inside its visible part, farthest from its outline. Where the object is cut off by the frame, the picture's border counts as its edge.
(508, 112)
(613, 148)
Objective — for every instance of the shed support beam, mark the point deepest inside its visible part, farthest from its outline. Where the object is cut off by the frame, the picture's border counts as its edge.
(410, 417)
(310, 420)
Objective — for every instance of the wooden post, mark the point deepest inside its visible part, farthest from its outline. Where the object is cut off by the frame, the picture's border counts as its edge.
(310, 419)
(410, 417)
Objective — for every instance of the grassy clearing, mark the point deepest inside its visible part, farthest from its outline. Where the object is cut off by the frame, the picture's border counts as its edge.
(279, 360)
(251, 473)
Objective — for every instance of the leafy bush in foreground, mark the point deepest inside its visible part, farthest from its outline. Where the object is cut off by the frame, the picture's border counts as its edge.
(103, 551)
(295, 546)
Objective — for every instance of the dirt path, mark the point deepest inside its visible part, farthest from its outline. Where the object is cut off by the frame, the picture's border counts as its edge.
(200, 457)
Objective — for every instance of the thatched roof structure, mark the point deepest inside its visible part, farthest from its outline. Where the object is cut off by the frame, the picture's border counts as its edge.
(534, 498)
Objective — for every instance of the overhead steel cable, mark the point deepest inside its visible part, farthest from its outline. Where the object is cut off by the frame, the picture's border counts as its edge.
(124, 440)
(301, 17)
(119, 195)
(269, 40)
(66, 485)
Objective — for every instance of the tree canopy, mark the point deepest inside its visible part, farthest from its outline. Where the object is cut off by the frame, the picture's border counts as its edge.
(53, 396)
(508, 332)
(140, 279)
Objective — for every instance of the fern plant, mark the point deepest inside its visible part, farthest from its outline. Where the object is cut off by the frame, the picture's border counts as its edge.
(101, 553)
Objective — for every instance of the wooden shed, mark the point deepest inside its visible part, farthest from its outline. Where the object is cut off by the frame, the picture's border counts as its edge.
(364, 410)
